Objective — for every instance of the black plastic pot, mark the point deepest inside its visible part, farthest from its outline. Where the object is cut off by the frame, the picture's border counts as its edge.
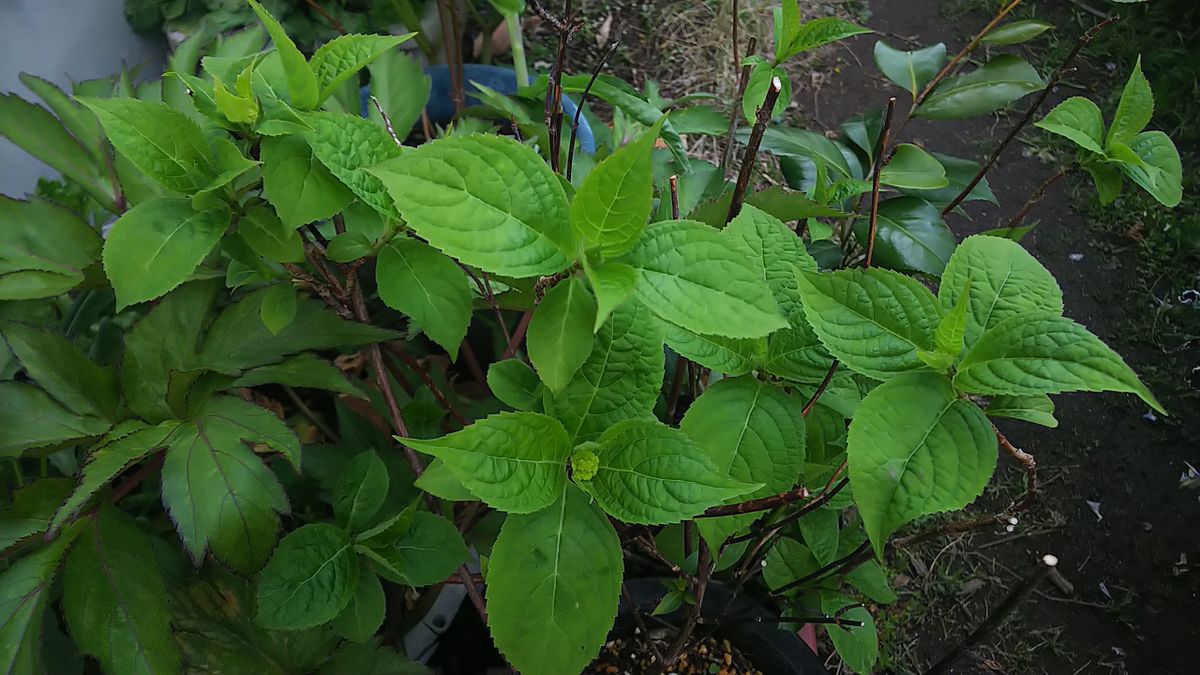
(753, 629)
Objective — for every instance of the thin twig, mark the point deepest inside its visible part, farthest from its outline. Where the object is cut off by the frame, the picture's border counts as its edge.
(761, 118)
(1057, 77)
(387, 121)
(583, 101)
(755, 505)
(311, 416)
(427, 379)
(966, 51)
(820, 388)
(880, 161)
(641, 624)
(334, 23)
(735, 106)
(518, 335)
(1034, 198)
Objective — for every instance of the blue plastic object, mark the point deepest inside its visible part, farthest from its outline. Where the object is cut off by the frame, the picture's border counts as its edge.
(503, 80)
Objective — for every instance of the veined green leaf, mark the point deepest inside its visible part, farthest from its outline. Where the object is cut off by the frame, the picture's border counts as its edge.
(361, 490)
(488, 201)
(871, 580)
(164, 144)
(303, 88)
(127, 443)
(1016, 32)
(731, 356)
(1005, 280)
(364, 614)
(31, 419)
(556, 574)
(858, 646)
(787, 561)
(820, 531)
(916, 448)
(790, 142)
(440, 482)
(560, 334)
(347, 145)
(762, 77)
(997, 83)
(959, 172)
(515, 384)
(910, 235)
(420, 281)
(652, 474)
(1044, 353)
(690, 275)
(114, 598)
(278, 307)
(797, 354)
(60, 368)
(302, 370)
(31, 509)
(873, 320)
(417, 551)
(157, 244)
(612, 283)
(401, 88)
(816, 33)
(754, 432)
(1158, 170)
(516, 462)
(619, 380)
(777, 251)
(911, 70)
(309, 580)
(78, 120)
(345, 55)
(44, 249)
(1134, 110)
(1079, 120)
(613, 204)
(1035, 408)
(297, 184)
(219, 493)
(24, 595)
(953, 327)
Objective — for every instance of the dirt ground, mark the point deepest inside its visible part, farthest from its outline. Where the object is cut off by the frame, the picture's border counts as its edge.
(1132, 560)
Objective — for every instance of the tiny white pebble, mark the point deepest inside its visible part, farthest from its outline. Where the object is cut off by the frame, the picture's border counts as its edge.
(1012, 520)
(1009, 528)
(764, 563)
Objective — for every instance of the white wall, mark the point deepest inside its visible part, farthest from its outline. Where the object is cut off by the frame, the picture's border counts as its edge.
(61, 41)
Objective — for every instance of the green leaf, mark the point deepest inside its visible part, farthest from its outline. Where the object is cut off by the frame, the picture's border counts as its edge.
(24, 593)
(731, 356)
(788, 561)
(361, 490)
(369, 658)
(44, 249)
(129, 442)
(345, 55)
(912, 168)
(613, 204)
(619, 380)
(997, 83)
(1158, 170)
(514, 383)
(690, 275)
(401, 88)
(348, 247)
(873, 320)
(1078, 120)
(417, 551)
(278, 307)
(790, 142)
(516, 462)
(364, 613)
(1107, 179)
(871, 580)
(910, 70)
(555, 574)
(31, 419)
(612, 283)
(302, 370)
(816, 33)
(632, 103)
(238, 108)
(560, 334)
(31, 509)
(78, 120)
(777, 251)
(488, 201)
(916, 448)
(1005, 280)
(114, 598)
(762, 76)
(217, 491)
(164, 144)
(1035, 408)
(303, 88)
(297, 184)
(910, 235)
(953, 327)
(60, 368)
(309, 580)
(959, 172)
(347, 145)
(156, 245)
(755, 434)
(858, 647)
(1044, 353)
(418, 280)
(1134, 110)
(1016, 32)
(440, 482)
(34, 130)
(238, 340)
(652, 474)
(820, 531)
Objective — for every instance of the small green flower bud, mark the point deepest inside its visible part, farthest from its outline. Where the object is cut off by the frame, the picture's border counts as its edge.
(584, 462)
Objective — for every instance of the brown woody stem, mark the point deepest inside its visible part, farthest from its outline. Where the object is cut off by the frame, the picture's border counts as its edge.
(761, 117)
(966, 51)
(880, 161)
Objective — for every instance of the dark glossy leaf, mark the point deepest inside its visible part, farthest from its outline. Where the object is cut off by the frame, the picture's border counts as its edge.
(910, 235)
